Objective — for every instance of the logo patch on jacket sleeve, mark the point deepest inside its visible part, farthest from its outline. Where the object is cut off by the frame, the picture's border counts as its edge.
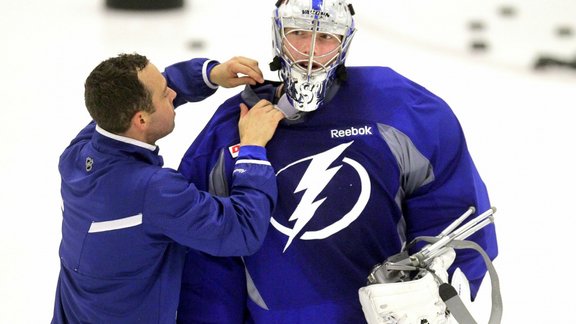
(234, 150)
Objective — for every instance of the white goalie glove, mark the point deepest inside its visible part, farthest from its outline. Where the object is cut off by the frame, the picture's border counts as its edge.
(409, 302)
(414, 289)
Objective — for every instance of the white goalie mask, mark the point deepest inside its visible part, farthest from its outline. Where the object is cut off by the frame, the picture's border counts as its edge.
(310, 42)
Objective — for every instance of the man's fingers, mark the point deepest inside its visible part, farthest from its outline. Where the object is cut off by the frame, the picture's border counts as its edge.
(237, 71)
(262, 103)
(268, 108)
(241, 80)
(243, 110)
(277, 114)
(247, 67)
(252, 65)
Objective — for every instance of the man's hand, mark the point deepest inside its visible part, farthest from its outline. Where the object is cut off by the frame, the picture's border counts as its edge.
(227, 74)
(257, 125)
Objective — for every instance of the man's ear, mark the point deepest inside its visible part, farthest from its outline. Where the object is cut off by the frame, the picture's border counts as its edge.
(140, 120)
(138, 126)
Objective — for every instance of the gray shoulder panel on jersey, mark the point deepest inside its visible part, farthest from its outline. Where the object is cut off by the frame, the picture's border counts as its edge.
(218, 185)
(415, 169)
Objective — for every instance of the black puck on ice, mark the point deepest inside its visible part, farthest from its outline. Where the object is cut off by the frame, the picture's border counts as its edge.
(478, 46)
(144, 4)
(507, 11)
(476, 25)
(196, 44)
(564, 31)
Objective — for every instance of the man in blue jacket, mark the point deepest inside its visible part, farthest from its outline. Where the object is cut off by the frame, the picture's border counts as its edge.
(127, 221)
(367, 160)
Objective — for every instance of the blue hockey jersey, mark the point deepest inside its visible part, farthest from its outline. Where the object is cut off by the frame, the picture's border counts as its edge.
(127, 221)
(383, 162)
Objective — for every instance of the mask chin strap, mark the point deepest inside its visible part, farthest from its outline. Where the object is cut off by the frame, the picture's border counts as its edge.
(341, 73)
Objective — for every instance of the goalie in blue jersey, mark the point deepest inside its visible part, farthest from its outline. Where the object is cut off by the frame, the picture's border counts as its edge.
(366, 160)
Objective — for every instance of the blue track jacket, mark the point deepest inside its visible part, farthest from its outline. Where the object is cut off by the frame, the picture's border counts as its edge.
(128, 222)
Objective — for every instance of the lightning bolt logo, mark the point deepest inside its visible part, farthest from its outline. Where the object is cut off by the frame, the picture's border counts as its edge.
(314, 180)
(316, 177)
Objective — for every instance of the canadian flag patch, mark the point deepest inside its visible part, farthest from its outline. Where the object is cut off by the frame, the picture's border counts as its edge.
(234, 149)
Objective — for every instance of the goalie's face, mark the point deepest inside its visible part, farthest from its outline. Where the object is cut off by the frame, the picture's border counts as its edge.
(310, 41)
(311, 51)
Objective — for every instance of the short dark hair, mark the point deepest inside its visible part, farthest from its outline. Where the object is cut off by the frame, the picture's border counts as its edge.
(113, 93)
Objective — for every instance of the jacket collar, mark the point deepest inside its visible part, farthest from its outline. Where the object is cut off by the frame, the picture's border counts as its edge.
(114, 144)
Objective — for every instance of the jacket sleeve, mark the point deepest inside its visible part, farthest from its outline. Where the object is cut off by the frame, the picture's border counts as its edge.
(213, 288)
(190, 80)
(221, 226)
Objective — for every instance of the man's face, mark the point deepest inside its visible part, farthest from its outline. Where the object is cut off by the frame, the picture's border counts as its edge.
(298, 44)
(162, 119)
